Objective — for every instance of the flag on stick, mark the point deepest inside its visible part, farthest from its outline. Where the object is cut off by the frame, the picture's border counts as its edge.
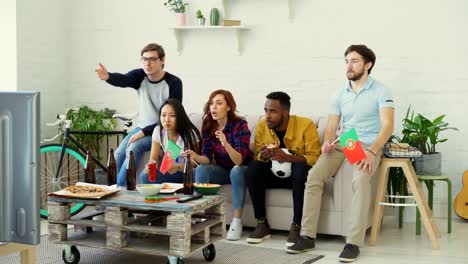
(352, 147)
(170, 155)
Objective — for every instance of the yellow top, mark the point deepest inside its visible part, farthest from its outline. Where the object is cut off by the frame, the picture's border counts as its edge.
(301, 138)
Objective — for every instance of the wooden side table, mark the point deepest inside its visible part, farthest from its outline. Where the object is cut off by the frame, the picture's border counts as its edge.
(415, 187)
(27, 252)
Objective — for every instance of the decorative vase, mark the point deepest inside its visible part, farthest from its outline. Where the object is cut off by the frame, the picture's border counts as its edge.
(181, 19)
(201, 21)
(214, 17)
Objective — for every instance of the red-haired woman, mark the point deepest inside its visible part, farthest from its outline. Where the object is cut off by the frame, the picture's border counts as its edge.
(225, 142)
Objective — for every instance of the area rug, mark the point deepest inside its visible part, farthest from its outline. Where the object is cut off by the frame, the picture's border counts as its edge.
(226, 253)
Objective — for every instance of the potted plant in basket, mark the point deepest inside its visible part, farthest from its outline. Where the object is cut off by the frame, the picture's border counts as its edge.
(178, 6)
(200, 18)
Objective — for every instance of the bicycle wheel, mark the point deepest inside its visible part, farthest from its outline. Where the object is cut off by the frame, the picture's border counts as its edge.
(71, 172)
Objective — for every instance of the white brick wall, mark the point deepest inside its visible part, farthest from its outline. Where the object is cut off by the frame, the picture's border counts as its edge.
(44, 54)
(8, 45)
(420, 45)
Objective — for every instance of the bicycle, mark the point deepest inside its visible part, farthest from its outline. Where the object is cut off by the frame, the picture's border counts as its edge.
(62, 165)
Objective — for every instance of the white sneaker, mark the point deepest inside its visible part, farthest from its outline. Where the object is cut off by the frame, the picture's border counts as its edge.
(235, 231)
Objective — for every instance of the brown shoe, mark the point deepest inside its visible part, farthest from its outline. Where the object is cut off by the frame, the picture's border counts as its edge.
(294, 233)
(261, 232)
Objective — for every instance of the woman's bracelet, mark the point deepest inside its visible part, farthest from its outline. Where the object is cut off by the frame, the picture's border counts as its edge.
(371, 152)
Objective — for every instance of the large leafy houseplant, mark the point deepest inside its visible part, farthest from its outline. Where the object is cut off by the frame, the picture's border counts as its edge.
(422, 133)
(84, 118)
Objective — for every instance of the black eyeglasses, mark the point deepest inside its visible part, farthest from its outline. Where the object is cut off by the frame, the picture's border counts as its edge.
(149, 59)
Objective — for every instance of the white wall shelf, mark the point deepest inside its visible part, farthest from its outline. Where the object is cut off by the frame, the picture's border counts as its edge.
(178, 32)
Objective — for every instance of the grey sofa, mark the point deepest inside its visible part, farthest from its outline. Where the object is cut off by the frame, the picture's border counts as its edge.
(335, 202)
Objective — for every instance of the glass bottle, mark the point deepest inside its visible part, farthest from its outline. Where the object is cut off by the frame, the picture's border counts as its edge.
(188, 176)
(90, 177)
(131, 173)
(111, 169)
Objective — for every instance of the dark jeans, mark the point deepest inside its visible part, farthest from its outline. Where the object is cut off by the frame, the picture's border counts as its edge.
(259, 178)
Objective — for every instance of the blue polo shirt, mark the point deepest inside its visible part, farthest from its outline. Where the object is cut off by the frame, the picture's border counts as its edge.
(361, 110)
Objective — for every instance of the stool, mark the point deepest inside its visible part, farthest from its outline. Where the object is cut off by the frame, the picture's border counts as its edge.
(27, 252)
(430, 187)
(410, 174)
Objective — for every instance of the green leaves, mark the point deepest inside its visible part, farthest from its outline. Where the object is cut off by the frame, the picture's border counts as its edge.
(420, 132)
(177, 6)
(423, 133)
(85, 118)
(199, 14)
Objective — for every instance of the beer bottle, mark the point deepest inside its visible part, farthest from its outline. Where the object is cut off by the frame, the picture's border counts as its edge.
(131, 173)
(111, 169)
(188, 176)
(90, 177)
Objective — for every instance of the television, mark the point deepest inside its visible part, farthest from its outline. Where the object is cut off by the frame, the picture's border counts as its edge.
(19, 167)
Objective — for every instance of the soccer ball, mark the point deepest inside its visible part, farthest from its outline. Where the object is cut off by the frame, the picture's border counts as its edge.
(281, 169)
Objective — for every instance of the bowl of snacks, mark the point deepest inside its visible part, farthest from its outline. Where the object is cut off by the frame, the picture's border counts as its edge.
(148, 189)
(207, 188)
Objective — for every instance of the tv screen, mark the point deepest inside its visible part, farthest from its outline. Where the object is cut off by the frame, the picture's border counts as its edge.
(19, 167)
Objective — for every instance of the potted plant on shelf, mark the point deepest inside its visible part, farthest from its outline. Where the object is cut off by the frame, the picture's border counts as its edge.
(200, 18)
(178, 6)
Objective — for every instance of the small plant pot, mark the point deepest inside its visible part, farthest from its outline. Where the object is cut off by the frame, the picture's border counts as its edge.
(201, 21)
(181, 19)
(428, 164)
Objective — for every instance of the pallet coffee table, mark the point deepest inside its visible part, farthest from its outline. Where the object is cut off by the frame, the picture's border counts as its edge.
(168, 228)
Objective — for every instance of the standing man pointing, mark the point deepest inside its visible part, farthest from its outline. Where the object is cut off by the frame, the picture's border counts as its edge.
(154, 86)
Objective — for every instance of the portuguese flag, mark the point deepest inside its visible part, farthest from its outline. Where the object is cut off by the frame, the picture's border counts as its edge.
(170, 155)
(352, 147)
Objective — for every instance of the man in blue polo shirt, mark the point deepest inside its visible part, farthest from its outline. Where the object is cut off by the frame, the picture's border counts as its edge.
(367, 106)
(153, 86)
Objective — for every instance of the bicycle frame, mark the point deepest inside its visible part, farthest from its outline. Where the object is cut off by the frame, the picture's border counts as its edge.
(68, 135)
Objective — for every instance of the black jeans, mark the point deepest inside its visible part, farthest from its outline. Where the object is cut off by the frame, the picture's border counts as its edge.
(259, 178)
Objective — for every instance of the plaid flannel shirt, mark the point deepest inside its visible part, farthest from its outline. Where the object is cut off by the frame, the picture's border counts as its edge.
(237, 134)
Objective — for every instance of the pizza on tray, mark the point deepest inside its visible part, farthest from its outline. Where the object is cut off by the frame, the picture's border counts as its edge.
(85, 191)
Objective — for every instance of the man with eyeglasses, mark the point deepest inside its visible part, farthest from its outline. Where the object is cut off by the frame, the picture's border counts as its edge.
(154, 86)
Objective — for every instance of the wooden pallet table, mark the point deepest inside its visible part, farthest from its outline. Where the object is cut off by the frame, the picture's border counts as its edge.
(168, 228)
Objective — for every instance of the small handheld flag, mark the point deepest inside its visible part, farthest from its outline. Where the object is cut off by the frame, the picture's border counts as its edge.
(352, 147)
(170, 155)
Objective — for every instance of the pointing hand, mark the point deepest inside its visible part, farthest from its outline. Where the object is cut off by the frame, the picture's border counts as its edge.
(101, 72)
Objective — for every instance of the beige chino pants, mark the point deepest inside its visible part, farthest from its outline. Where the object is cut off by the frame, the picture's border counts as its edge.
(326, 166)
